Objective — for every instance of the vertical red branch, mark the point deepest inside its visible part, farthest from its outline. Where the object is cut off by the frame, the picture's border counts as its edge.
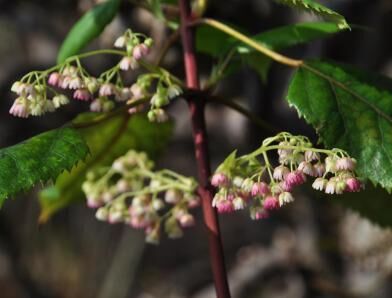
(196, 107)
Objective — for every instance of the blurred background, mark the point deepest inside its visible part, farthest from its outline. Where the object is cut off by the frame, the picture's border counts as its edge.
(311, 248)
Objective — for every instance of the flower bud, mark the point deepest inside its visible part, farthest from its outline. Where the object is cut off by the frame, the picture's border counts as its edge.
(92, 84)
(54, 79)
(285, 197)
(330, 187)
(172, 228)
(120, 42)
(153, 234)
(238, 203)
(173, 196)
(220, 180)
(345, 164)
(60, 100)
(319, 184)
(330, 164)
(186, 220)
(102, 214)
(353, 185)
(271, 203)
(157, 204)
(260, 189)
(280, 172)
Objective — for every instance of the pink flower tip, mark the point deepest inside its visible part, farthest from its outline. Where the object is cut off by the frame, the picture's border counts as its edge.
(260, 188)
(54, 79)
(82, 94)
(353, 185)
(219, 180)
(140, 51)
(262, 214)
(225, 206)
(271, 203)
(294, 178)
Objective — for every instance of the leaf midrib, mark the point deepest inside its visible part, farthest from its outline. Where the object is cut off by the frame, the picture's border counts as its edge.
(332, 80)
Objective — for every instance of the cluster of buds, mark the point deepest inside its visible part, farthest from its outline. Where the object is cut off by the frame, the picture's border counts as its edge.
(247, 181)
(32, 100)
(43, 91)
(131, 192)
(135, 48)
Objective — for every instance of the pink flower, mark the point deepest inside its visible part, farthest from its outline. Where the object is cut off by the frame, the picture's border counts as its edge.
(319, 169)
(345, 164)
(239, 203)
(20, 108)
(140, 51)
(260, 188)
(306, 168)
(319, 183)
(353, 185)
(115, 217)
(127, 63)
(285, 186)
(93, 202)
(64, 82)
(137, 91)
(294, 178)
(82, 94)
(271, 203)
(225, 206)
(330, 187)
(96, 106)
(106, 89)
(261, 214)
(75, 83)
(138, 222)
(280, 172)
(186, 220)
(311, 155)
(285, 197)
(135, 109)
(54, 79)
(220, 180)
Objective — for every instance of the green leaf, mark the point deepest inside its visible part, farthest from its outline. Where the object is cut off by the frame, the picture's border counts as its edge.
(373, 203)
(107, 141)
(292, 35)
(218, 44)
(349, 109)
(318, 9)
(88, 28)
(39, 159)
(228, 163)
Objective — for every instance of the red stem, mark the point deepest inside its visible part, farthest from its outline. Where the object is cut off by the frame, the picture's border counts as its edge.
(196, 108)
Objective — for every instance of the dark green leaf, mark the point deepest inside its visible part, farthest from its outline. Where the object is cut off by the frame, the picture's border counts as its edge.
(318, 9)
(218, 44)
(107, 141)
(373, 203)
(39, 159)
(349, 110)
(88, 28)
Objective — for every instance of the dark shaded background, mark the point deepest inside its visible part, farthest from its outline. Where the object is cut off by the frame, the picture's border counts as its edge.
(311, 248)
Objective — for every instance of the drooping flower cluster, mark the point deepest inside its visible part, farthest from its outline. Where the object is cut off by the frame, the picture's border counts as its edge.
(248, 181)
(130, 192)
(40, 92)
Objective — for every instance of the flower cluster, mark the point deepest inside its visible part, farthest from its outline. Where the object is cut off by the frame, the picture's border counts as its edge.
(45, 91)
(130, 192)
(247, 181)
